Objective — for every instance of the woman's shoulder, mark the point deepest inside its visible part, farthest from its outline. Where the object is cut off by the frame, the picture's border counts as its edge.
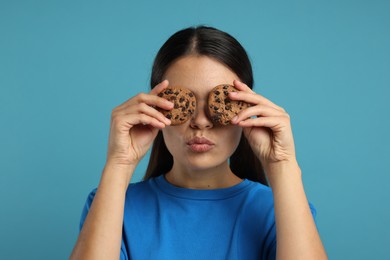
(260, 193)
(142, 188)
(259, 189)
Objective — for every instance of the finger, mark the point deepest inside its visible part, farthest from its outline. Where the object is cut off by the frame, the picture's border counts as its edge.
(242, 86)
(159, 87)
(151, 98)
(128, 121)
(148, 99)
(155, 101)
(152, 122)
(248, 95)
(253, 98)
(274, 123)
(258, 111)
(145, 109)
(141, 109)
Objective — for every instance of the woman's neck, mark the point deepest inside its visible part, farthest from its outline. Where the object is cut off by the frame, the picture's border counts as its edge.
(221, 177)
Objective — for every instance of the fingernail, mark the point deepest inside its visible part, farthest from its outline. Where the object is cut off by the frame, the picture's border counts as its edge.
(234, 119)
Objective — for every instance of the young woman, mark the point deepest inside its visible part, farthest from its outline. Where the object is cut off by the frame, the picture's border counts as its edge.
(205, 194)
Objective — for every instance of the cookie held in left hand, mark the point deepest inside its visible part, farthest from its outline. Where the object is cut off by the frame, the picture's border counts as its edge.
(221, 108)
(184, 104)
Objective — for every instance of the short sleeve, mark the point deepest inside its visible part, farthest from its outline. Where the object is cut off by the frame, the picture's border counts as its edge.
(87, 206)
(313, 212)
(272, 252)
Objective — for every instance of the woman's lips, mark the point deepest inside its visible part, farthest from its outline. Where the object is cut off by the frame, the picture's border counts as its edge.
(200, 144)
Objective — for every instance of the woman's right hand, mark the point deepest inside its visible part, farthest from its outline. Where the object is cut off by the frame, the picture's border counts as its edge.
(134, 125)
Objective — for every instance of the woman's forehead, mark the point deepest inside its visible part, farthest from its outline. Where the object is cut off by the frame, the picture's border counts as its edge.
(200, 74)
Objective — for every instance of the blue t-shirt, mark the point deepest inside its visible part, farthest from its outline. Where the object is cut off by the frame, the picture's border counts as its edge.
(162, 221)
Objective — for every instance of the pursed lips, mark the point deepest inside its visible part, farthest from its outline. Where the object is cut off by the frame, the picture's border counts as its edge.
(200, 144)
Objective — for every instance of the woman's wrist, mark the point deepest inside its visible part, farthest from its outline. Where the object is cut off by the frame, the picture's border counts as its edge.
(277, 171)
(118, 172)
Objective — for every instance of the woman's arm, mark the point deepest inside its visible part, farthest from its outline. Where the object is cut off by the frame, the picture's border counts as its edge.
(296, 232)
(268, 130)
(134, 125)
(101, 234)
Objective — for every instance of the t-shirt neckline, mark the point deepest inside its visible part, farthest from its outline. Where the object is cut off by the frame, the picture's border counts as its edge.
(198, 194)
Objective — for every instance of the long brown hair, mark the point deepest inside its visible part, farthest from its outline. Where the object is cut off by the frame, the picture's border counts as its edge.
(224, 48)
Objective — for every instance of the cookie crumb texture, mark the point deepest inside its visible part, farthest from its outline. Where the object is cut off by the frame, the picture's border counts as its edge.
(184, 104)
(221, 108)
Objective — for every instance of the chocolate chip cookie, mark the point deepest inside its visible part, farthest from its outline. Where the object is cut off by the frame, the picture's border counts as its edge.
(184, 104)
(221, 109)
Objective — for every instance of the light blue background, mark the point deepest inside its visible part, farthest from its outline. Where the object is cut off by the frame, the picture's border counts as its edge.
(64, 65)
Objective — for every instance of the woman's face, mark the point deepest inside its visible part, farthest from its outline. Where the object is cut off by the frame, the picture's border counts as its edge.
(198, 144)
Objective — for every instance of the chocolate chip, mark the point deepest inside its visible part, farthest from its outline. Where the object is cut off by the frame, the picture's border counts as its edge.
(184, 104)
(216, 117)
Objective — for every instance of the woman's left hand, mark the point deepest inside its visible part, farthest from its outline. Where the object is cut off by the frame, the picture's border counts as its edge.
(266, 126)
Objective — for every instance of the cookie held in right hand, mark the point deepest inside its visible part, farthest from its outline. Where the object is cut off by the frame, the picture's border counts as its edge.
(221, 108)
(184, 104)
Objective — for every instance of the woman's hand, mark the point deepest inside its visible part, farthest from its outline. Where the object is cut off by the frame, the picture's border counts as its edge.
(266, 126)
(134, 125)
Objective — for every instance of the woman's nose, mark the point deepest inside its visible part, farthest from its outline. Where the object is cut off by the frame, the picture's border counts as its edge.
(200, 118)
